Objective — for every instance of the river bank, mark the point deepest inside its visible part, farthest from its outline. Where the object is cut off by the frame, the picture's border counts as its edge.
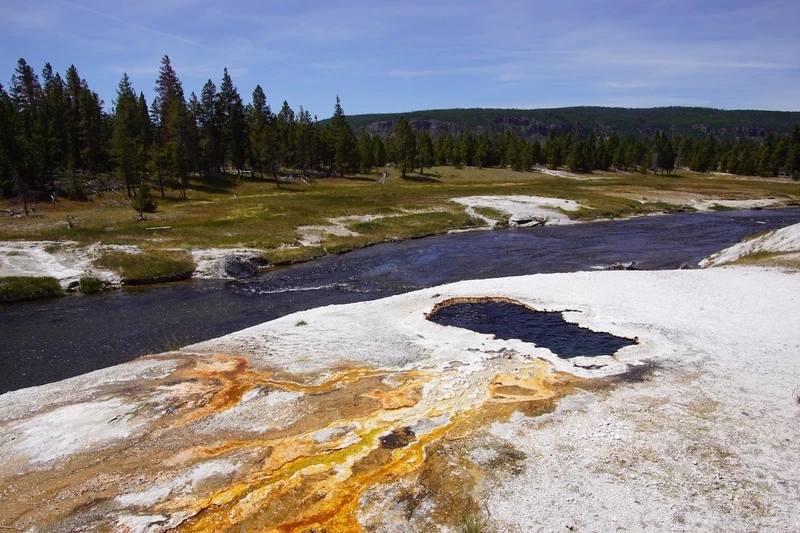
(75, 266)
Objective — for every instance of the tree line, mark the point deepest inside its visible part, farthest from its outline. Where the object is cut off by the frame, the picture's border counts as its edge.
(55, 138)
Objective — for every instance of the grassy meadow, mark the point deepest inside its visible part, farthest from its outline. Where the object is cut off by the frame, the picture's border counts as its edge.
(227, 211)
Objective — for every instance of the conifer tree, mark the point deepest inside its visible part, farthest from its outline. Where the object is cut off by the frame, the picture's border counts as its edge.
(464, 149)
(53, 126)
(233, 123)
(27, 96)
(366, 155)
(553, 150)
(304, 140)
(175, 128)
(404, 144)
(285, 124)
(210, 135)
(379, 154)
(444, 148)
(194, 152)
(263, 140)
(424, 149)
(8, 143)
(75, 141)
(126, 139)
(793, 158)
(482, 151)
(158, 153)
(345, 146)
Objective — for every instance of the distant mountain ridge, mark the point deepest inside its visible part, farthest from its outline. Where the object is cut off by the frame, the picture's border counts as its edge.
(695, 122)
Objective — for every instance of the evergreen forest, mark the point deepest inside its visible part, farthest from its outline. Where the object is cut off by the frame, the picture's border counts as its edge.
(57, 139)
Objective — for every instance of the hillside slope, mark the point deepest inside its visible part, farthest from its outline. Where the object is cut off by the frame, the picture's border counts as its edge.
(536, 123)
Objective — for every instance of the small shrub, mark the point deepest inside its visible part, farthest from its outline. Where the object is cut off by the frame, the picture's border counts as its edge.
(19, 288)
(301, 323)
(144, 202)
(90, 285)
(75, 189)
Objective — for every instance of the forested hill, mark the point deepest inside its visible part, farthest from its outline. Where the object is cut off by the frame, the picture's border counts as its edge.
(695, 122)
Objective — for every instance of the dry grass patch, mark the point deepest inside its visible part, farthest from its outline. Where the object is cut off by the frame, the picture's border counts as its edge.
(790, 260)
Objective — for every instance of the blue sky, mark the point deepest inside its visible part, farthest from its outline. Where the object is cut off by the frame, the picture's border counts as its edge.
(411, 55)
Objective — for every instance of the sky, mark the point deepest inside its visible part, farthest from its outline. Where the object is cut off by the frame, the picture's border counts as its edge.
(383, 57)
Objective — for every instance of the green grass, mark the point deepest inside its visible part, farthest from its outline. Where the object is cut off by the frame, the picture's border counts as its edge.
(156, 266)
(90, 285)
(414, 225)
(19, 288)
(221, 211)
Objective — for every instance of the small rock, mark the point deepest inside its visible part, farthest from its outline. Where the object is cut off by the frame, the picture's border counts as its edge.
(240, 266)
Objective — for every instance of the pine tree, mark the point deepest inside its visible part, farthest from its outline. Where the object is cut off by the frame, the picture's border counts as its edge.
(482, 151)
(404, 144)
(8, 143)
(145, 128)
(536, 153)
(210, 135)
(194, 151)
(175, 128)
(379, 154)
(74, 89)
(366, 153)
(92, 130)
(345, 146)
(53, 126)
(233, 124)
(168, 88)
(553, 150)
(444, 148)
(27, 96)
(765, 159)
(124, 141)
(263, 139)
(178, 140)
(285, 124)
(424, 150)
(793, 158)
(464, 149)
(304, 140)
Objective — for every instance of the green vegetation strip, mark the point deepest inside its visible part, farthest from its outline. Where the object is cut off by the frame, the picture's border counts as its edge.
(19, 288)
(157, 266)
(253, 213)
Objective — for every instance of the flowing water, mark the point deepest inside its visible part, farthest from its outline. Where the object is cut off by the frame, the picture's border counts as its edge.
(46, 341)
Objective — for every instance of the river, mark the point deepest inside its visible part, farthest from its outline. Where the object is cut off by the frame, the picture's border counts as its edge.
(49, 340)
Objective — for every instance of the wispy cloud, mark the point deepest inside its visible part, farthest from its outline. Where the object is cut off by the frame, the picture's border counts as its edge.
(138, 27)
